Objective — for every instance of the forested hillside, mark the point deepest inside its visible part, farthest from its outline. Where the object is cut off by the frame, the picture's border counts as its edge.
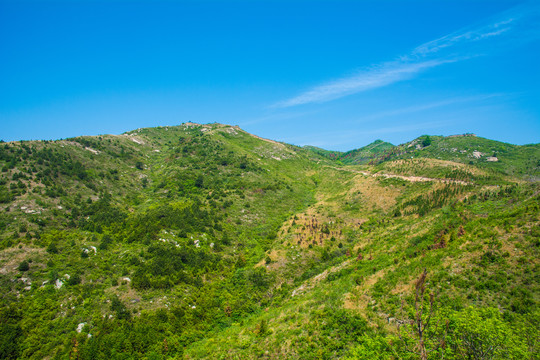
(204, 241)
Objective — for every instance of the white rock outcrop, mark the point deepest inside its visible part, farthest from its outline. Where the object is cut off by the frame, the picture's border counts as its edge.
(58, 284)
(80, 327)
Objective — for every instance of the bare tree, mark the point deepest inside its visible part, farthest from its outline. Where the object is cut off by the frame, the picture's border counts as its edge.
(416, 330)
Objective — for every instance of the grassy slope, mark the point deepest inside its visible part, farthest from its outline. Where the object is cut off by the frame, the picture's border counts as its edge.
(313, 253)
(362, 155)
(366, 153)
(519, 161)
(488, 263)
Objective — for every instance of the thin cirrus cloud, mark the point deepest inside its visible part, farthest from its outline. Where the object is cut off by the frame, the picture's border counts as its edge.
(520, 21)
(378, 76)
(464, 37)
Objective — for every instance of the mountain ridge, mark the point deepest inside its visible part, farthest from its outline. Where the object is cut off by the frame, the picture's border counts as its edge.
(201, 241)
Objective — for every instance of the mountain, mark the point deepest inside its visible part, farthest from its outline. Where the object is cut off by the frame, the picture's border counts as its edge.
(366, 153)
(357, 156)
(205, 241)
(520, 161)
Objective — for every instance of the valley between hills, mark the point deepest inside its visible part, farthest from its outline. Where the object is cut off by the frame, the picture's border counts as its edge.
(207, 242)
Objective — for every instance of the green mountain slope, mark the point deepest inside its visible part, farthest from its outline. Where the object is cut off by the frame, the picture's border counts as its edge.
(362, 155)
(366, 153)
(515, 160)
(204, 241)
(333, 155)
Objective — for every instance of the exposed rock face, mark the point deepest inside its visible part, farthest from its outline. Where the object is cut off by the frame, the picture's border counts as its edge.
(80, 327)
(461, 135)
(58, 284)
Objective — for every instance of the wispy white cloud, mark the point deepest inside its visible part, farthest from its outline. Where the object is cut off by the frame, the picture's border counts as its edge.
(447, 49)
(518, 21)
(377, 76)
(462, 37)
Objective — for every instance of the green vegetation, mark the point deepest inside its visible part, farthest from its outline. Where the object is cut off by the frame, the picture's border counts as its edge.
(356, 156)
(491, 156)
(203, 241)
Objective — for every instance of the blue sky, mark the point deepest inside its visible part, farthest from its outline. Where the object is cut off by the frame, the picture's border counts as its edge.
(335, 74)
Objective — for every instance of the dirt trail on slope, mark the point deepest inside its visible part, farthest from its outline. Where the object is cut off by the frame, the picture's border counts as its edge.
(408, 178)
